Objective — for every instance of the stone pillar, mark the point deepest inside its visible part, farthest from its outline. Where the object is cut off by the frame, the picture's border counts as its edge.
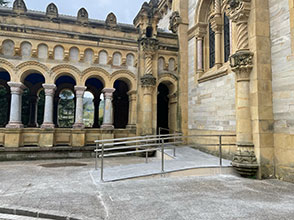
(148, 83)
(244, 160)
(199, 45)
(132, 109)
(33, 111)
(79, 124)
(16, 89)
(96, 102)
(217, 25)
(108, 109)
(173, 103)
(49, 105)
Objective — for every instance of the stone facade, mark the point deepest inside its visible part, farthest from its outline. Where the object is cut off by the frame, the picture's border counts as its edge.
(227, 66)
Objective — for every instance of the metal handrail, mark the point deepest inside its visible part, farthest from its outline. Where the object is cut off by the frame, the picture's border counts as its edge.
(133, 140)
(152, 147)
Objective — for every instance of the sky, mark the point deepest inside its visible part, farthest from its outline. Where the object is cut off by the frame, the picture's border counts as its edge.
(125, 10)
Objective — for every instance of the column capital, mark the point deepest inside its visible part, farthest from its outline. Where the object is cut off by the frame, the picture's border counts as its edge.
(217, 24)
(80, 91)
(16, 87)
(242, 63)
(49, 89)
(132, 95)
(108, 92)
(200, 30)
(148, 80)
(238, 10)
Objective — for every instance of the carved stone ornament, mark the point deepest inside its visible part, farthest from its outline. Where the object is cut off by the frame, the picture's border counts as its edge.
(19, 6)
(241, 59)
(148, 80)
(111, 20)
(174, 21)
(83, 15)
(238, 10)
(52, 11)
(245, 162)
(149, 44)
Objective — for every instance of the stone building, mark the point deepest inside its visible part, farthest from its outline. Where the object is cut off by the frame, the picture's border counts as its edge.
(195, 66)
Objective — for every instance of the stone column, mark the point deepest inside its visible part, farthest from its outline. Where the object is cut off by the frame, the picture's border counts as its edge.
(132, 109)
(199, 45)
(244, 160)
(49, 105)
(217, 25)
(173, 103)
(108, 109)
(79, 124)
(148, 83)
(96, 102)
(16, 89)
(33, 111)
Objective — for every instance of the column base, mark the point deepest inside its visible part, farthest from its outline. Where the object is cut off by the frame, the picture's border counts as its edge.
(48, 125)
(33, 125)
(244, 161)
(14, 125)
(107, 126)
(78, 126)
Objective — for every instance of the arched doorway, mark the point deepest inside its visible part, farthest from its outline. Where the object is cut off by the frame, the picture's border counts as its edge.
(64, 102)
(162, 108)
(88, 109)
(31, 103)
(94, 87)
(5, 98)
(120, 104)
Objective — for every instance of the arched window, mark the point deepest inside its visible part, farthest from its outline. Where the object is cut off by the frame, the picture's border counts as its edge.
(26, 50)
(103, 58)
(8, 48)
(171, 65)
(89, 54)
(116, 59)
(58, 53)
(130, 60)
(161, 64)
(74, 54)
(227, 38)
(43, 51)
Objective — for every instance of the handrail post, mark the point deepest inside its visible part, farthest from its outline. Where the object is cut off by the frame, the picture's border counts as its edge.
(175, 143)
(220, 151)
(162, 155)
(96, 156)
(102, 157)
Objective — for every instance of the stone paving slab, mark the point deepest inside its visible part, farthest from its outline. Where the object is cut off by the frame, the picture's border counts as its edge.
(72, 191)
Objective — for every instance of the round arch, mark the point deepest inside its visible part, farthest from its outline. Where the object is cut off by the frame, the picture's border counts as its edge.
(27, 68)
(126, 76)
(96, 72)
(170, 82)
(68, 70)
(8, 67)
(202, 9)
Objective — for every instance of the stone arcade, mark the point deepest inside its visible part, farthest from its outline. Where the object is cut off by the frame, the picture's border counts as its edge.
(196, 66)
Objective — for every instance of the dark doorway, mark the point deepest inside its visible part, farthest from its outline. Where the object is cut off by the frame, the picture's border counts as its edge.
(162, 108)
(120, 104)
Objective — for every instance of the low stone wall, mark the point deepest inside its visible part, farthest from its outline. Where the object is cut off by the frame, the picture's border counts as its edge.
(46, 138)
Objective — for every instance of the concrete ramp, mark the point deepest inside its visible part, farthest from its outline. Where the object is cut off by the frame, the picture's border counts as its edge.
(187, 162)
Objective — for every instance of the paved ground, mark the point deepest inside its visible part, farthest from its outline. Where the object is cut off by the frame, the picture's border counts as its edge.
(75, 191)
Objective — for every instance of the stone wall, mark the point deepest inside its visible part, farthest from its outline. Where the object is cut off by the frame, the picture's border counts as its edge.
(283, 87)
(192, 9)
